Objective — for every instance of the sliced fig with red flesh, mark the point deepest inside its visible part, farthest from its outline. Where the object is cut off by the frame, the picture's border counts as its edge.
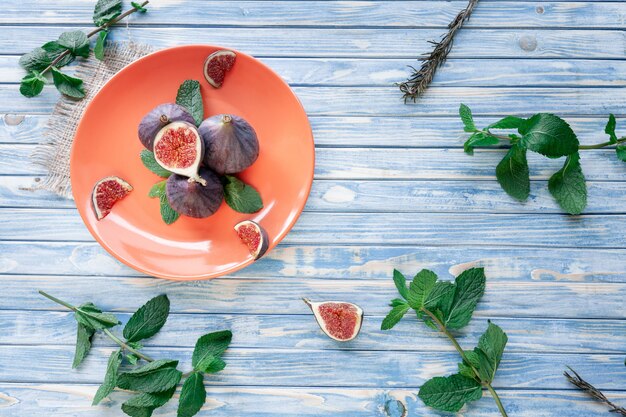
(254, 236)
(190, 198)
(230, 142)
(178, 148)
(106, 193)
(217, 65)
(158, 118)
(339, 320)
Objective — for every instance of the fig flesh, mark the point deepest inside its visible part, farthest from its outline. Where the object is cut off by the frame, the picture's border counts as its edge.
(158, 118)
(178, 148)
(190, 198)
(231, 144)
(106, 193)
(339, 320)
(217, 65)
(254, 236)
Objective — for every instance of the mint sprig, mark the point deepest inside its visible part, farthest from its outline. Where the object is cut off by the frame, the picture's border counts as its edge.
(54, 55)
(153, 381)
(447, 306)
(548, 135)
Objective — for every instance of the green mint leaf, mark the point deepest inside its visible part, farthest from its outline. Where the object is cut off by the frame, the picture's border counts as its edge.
(397, 302)
(512, 173)
(76, 41)
(469, 288)
(192, 396)
(241, 197)
(148, 320)
(621, 152)
(509, 122)
(489, 351)
(420, 288)
(144, 403)
(189, 97)
(157, 189)
(110, 378)
(106, 10)
(148, 160)
(211, 345)
(70, 86)
(441, 298)
(139, 7)
(549, 135)
(472, 358)
(32, 84)
(93, 318)
(450, 393)
(400, 282)
(132, 358)
(485, 367)
(466, 370)
(158, 376)
(211, 366)
(168, 214)
(568, 186)
(394, 316)
(479, 139)
(467, 118)
(84, 335)
(609, 129)
(40, 58)
(54, 49)
(98, 50)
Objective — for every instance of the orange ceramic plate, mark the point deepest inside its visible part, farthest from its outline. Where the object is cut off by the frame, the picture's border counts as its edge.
(106, 143)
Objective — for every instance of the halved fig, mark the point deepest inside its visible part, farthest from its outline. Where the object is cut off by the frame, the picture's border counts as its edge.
(230, 143)
(159, 117)
(106, 193)
(190, 198)
(254, 236)
(178, 148)
(338, 320)
(217, 65)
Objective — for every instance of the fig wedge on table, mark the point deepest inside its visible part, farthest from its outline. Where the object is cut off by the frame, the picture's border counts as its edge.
(339, 320)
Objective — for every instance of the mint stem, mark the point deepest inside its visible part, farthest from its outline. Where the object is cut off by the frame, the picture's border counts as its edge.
(580, 147)
(124, 346)
(94, 32)
(114, 338)
(458, 348)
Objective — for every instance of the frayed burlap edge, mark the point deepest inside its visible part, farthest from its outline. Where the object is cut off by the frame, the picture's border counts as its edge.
(54, 155)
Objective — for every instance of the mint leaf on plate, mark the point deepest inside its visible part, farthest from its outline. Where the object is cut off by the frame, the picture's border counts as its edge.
(148, 160)
(189, 97)
(168, 214)
(240, 196)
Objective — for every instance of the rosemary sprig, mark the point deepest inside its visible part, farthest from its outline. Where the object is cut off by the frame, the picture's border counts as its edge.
(415, 86)
(593, 392)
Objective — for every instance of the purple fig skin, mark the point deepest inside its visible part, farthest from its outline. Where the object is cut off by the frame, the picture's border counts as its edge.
(159, 117)
(230, 143)
(193, 199)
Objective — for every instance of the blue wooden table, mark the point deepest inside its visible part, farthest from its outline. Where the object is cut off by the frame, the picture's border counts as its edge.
(392, 189)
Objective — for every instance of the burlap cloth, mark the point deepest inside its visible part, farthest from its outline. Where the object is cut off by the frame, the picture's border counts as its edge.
(54, 155)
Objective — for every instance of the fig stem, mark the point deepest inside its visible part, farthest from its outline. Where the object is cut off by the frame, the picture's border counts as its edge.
(164, 119)
(198, 179)
(94, 32)
(308, 302)
(227, 118)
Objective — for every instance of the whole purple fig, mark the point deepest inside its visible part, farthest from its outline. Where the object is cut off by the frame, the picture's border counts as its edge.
(159, 117)
(230, 143)
(191, 198)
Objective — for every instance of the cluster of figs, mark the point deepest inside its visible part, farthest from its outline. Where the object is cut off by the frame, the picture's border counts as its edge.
(197, 157)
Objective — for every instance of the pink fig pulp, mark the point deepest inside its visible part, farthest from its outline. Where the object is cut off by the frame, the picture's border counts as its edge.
(339, 320)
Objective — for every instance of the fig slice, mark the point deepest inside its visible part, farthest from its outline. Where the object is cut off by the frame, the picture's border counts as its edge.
(157, 118)
(339, 320)
(178, 148)
(192, 199)
(217, 65)
(254, 236)
(106, 193)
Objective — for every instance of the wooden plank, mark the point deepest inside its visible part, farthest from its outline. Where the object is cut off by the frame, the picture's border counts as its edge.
(344, 262)
(472, 229)
(338, 14)
(372, 369)
(70, 400)
(342, 42)
(454, 72)
(368, 196)
(405, 132)
(252, 295)
(437, 101)
(393, 164)
(300, 332)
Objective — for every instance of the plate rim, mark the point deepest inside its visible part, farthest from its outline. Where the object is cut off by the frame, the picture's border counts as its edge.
(249, 261)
